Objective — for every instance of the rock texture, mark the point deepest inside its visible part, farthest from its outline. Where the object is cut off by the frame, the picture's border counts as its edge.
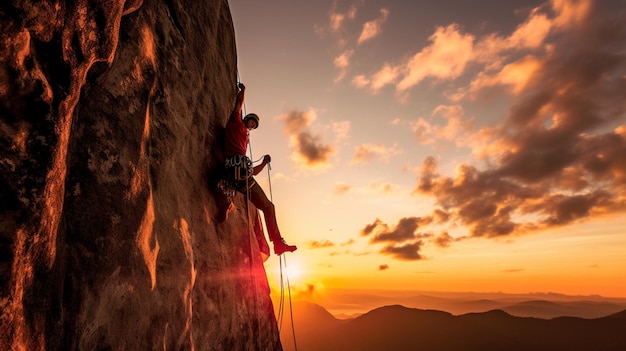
(110, 121)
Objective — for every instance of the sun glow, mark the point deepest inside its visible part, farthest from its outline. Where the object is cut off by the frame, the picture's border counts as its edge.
(292, 271)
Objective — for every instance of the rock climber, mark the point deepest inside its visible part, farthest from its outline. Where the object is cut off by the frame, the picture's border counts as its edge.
(238, 171)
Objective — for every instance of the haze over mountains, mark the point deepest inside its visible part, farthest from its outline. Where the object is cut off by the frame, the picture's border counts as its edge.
(352, 303)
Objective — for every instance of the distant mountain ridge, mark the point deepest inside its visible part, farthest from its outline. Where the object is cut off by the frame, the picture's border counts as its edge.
(540, 305)
(396, 327)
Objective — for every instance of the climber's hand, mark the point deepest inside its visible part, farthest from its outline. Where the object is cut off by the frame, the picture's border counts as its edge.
(267, 159)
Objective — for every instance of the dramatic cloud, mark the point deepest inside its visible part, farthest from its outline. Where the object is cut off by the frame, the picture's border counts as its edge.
(369, 229)
(368, 152)
(405, 230)
(443, 240)
(404, 241)
(371, 29)
(308, 150)
(383, 267)
(557, 158)
(407, 252)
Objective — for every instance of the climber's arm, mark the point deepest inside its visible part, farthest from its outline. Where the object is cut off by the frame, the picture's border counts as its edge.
(238, 102)
(258, 168)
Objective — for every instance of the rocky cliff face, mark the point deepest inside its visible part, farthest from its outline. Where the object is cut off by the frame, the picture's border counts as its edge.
(110, 117)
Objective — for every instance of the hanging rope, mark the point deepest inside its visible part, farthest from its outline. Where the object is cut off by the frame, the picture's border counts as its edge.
(283, 259)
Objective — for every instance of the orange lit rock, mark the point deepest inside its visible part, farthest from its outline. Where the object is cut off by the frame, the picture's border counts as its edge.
(110, 116)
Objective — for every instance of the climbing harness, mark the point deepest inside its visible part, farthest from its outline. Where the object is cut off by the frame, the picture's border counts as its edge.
(237, 175)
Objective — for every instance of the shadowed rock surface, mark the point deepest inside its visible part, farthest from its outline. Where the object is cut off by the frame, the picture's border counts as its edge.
(110, 122)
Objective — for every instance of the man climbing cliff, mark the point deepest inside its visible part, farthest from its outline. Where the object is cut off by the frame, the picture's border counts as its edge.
(238, 172)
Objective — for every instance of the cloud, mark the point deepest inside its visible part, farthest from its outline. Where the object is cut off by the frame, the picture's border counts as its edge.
(386, 75)
(571, 12)
(307, 149)
(443, 240)
(445, 58)
(457, 127)
(342, 62)
(451, 52)
(347, 46)
(403, 241)
(369, 229)
(407, 252)
(383, 267)
(342, 188)
(556, 159)
(403, 231)
(337, 18)
(515, 76)
(372, 28)
(368, 152)
(320, 244)
(381, 188)
(341, 130)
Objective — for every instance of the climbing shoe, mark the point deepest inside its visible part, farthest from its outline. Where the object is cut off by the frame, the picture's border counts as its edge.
(280, 247)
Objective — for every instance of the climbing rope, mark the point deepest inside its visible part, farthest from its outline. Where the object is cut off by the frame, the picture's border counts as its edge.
(283, 259)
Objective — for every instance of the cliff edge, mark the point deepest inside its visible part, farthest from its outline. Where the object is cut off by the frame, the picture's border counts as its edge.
(110, 122)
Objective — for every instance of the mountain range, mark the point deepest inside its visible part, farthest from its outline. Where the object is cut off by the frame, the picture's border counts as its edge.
(395, 327)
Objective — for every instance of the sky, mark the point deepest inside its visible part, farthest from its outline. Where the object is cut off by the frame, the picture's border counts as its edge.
(442, 145)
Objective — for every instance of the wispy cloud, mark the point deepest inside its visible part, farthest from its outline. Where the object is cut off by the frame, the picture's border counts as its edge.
(368, 152)
(342, 188)
(342, 62)
(372, 28)
(345, 41)
(337, 18)
(320, 244)
(456, 126)
(452, 51)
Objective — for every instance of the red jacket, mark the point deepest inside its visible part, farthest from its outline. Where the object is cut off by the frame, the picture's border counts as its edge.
(236, 138)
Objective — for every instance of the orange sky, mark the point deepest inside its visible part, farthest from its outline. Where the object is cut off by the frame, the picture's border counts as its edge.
(435, 145)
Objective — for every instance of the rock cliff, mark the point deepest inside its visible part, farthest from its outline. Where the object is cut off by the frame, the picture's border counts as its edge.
(110, 120)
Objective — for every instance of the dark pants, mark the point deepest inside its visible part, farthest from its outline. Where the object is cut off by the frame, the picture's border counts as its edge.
(260, 201)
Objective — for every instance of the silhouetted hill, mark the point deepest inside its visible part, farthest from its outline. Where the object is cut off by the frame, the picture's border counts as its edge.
(401, 328)
(550, 309)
